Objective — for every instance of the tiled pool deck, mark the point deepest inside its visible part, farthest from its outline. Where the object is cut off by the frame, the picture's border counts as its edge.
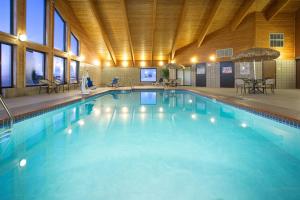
(283, 106)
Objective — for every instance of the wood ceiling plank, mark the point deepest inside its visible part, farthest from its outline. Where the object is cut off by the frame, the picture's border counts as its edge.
(179, 26)
(104, 34)
(275, 7)
(242, 13)
(124, 11)
(216, 7)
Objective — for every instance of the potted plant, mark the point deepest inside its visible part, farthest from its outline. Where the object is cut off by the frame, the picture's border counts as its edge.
(165, 74)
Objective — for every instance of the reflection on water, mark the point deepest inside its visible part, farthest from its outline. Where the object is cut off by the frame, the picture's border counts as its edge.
(125, 145)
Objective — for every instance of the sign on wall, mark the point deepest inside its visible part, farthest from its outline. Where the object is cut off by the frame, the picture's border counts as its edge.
(227, 70)
(245, 68)
(200, 70)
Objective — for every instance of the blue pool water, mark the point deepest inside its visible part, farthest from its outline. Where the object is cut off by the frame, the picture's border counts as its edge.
(150, 145)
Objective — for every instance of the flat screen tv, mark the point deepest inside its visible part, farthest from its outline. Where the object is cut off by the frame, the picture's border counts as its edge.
(148, 74)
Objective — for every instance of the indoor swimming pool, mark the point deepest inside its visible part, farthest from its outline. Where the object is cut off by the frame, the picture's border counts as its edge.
(150, 144)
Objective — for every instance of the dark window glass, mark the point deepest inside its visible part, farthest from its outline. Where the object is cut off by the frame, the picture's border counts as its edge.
(35, 67)
(74, 45)
(59, 32)
(35, 20)
(5, 16)
(6, 65)
(59, 69)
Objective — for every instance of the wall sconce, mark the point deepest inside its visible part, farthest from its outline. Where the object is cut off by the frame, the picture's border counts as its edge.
(22, 37)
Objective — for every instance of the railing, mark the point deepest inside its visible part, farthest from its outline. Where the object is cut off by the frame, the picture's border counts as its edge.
(11, 118)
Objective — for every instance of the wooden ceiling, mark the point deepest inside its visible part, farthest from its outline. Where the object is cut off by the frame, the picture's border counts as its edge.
(152, 30)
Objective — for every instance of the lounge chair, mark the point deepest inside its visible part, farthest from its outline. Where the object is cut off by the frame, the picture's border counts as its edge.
(160, 82)
(50, 86)
(114, 83)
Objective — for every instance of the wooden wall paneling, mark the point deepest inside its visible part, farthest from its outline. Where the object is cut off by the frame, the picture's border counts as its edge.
(297, 34)
(282, 23)
(154, 10)
(240, 39)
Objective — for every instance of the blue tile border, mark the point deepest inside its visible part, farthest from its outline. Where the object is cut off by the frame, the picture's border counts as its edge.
(271, 116)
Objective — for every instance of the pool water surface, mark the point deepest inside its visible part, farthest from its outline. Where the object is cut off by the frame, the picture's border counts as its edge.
(153, 145)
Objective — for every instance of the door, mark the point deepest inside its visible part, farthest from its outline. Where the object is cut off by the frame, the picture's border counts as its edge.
(201, 75)
(269, 69)
(227, 74)
(298, 74)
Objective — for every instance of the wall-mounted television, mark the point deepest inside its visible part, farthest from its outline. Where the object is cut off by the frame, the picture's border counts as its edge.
(148, 75)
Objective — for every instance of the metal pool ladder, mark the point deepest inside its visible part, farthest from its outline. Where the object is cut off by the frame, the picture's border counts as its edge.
(11, 118)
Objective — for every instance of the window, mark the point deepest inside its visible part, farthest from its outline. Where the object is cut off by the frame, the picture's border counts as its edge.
(35, 67)
(59, 32)
(59, 69)
(6, 65)
(36, 20)
(74, 67)
(276, 39)
(6, 15)
(74, 45)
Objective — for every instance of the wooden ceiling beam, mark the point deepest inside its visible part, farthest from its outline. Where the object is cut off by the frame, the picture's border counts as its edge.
(241, 14)
(274, 8)
(179, 27)
(107, 42)
(125, 16)
(209, 21)
(153, 28)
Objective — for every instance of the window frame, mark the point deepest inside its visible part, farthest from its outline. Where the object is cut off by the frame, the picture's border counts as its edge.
(44, 64)
(77, 71)
(65, 31)
(270, 40)
(45, 24)
(78, 44)
(65, 69)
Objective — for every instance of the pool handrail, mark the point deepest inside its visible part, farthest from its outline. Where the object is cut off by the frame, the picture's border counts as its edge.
(11, 118)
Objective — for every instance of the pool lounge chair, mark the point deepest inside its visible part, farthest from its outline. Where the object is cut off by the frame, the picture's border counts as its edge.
(50, 86)
(114, 83)
(159, 82)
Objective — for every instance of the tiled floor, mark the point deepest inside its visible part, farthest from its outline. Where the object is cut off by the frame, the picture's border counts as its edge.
(283, 102)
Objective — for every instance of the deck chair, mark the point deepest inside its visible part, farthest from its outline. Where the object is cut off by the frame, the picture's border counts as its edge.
(50, 86)
(114, 83)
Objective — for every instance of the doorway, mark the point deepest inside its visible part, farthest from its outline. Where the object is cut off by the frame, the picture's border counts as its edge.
(201, 75)
(227, 74)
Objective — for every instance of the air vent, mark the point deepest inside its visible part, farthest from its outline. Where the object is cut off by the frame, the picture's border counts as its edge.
(223, 53)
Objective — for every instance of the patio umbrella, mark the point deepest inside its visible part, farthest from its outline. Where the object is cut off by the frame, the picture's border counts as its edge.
(256, 54)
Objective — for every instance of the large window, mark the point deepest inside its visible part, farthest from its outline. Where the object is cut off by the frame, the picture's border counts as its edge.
(74, 45)
(6, 13)
(36, 20)
(6, 65)
(59, 66)
(74, 68)
(59, 32)
(35, 67)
